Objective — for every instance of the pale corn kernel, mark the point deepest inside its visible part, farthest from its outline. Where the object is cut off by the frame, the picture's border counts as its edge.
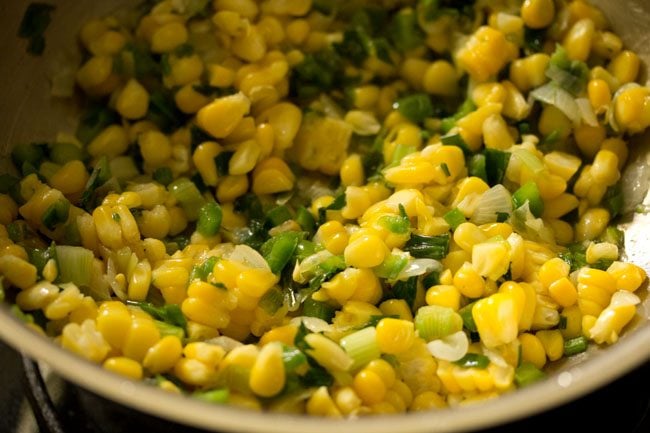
(194, 373)
(155, 223)
(155, 148)
(467, 235)
(37, 297)
(112, 141)
(625, 67)
(68, 300)
(426, 401)
(320, 403)
(251, 46)
(592, 223)
(272, 30)
(529, 72)
(245, 158)
(50, 270)
(162, 356)
(8, 210)
(209, 354)
(496, 133)
(124, 366)
(168, 37)
(285, 118)
(85, 340)
(351, 172)
(70, 178)
(579, 39)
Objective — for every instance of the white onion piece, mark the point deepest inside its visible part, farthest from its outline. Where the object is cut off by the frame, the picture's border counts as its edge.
(622, 297)
(587, 112)
(314, 324)
(248, 256)
(635, 182)
(418, 267)
(553, 95)
(450, 348)
(496, 200)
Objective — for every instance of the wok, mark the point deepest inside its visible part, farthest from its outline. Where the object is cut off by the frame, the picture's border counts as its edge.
(28, 113)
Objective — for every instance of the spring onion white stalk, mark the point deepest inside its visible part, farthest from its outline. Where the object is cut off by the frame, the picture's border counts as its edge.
(75, 264)
(587, 112)
(450, 348)
(554, 95)
(494, 202)
(434, 322)
(361, 346)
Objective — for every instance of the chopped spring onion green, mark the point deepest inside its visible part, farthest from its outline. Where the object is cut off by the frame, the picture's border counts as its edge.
(404, 31)
(279, 250)
(272, 300)
(527, 374)
(188, 196)
(454, 218)
(56, 214)
(456, 140)
(392, 266)
(613, 235)
(202, 270)
(496, 164)
(576, 345)
(163, 175)
(468, 319)
(278, 215)
(75, 264)
(473, 360)
(529, 192)
(396, 224)
(415, 107)
(216, 396)
(406, 290)
(613, 200)
(166, 329)
(61, 153)
(170, 314)
(476, 166)
(210, 216)
(318, 309)
(431, 247)
(100, 175)
(40, 257)
(32, 153)
(434, 322)
(305, 219)
(361, 346)
(33, 25)
(293, 358)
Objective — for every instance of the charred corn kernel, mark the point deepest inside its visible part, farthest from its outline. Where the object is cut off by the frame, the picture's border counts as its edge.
(628, 276)
(395, 336)
(333, 236)
(497, 319)
(579, 39)
(632, 109)
(85, 340)
(573, 317)
(553, 343)
(469, 283)
(600, 95)
(444, 296)
(625, 67)
(440, 78)
(320, 403)
(38, 296)
(267, 376)
(396, 307)
(426, 401)
(71, 178)
(538, 14)
(124, 366)
(111, 142)
(591, 224)
(256, 282)
(272, 176)
(19, 272)
(95, 72)
(532, 350)
(613, 319)
(223, 115)
(142, 335)
(133, 101)
(168, 37)
(162, 356)
(485, 53)
(369, 386)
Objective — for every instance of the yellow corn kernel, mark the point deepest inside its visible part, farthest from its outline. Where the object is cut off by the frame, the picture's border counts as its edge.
(285, 118)
(142, 335)
(188, 100)
(573, 317)
(347, 400)
(491, 259)
(155, 147)
(563, 292)
(469, 283)
(140, 281)
(600, 95)
(8, 210)
(284, 334)
(632, 109)
(496, 134)
(133, 101)
(111, 142)
(68, 300)
(613, 319)
(38, 296)
(497, 319)
(395, 336)
(604, 169)
(209, 354)
(232, 187)
(17, 271)
(256, 282)
(562, 164)
(155, 223)
(203, 158)
(628, 276)
(591, 224)
(396, 307)
(251, 46)
(532, 350)
(426, 401)
(553, 343)
(625, 67)
(220, 76)
(297, 31)
(553, 270)
(366, 97)
(244, 158)
(468, 187)
(560, 206)
(163, 355)
(194, 372)
(199, 332)
(114, 321)
(223, 115)
(168, 37)
(594, 290)
(552, 121)
(94, 73)
(489, 93)
(538, 14)
(467, 235)
(444, 296)
(124, 366)
(562, 230)
(440, 78)
(267, 377)
(272, 176)
(485, 53)
(579, 39)
(71, 178)
(320, 403)
(365, 251)
(85, 340)
(333, 236)
(369, 386)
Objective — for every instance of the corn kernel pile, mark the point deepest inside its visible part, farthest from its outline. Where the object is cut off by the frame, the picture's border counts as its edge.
(333, 208)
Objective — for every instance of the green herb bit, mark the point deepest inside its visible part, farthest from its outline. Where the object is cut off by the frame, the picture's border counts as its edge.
(430, 247)
(473, 360)
(272, 300)
(293, 359)
(56, 214)
(189, 197)
(210, 216)
(527, 374)
(305, 220)
(404, 31)
(454, 218)
(468, 319)
(99, 176)
(163, 175)
(75, 265)
(477, 167)
(456, 140)
(203, 270)
(415, 107)
(278, 215)
(318, 309)
(40, 257)
(216, 396)
(35, 21)
(406, 290)
(529, 192)
(396, 224)
(166, 329)
(170, 314)
(576, 345)
(279, 250)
